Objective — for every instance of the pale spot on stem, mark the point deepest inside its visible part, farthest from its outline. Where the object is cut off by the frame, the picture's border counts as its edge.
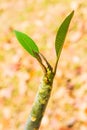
(33, 118)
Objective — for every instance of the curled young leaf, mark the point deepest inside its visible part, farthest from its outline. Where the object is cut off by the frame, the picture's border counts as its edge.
(61, 34)
(27, 43)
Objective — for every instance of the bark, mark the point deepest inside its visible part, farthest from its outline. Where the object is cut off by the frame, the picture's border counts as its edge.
(40, 102)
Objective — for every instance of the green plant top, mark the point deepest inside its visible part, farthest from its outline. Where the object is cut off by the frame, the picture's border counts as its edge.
(32, 48)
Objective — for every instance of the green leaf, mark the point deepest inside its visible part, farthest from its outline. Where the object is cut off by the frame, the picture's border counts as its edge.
(27, 43)
(61, 34)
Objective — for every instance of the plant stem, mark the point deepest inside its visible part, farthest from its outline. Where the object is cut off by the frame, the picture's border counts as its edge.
(49, 66)
(41, 101)
(55, 68)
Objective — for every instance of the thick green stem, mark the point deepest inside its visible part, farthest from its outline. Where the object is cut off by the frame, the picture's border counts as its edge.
(41, 101)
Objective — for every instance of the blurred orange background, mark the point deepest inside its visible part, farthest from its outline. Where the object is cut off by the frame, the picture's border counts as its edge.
(20, 74)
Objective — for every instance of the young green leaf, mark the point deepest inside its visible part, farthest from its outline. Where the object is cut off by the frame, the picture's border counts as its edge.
(27, 43)
(61, 34)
